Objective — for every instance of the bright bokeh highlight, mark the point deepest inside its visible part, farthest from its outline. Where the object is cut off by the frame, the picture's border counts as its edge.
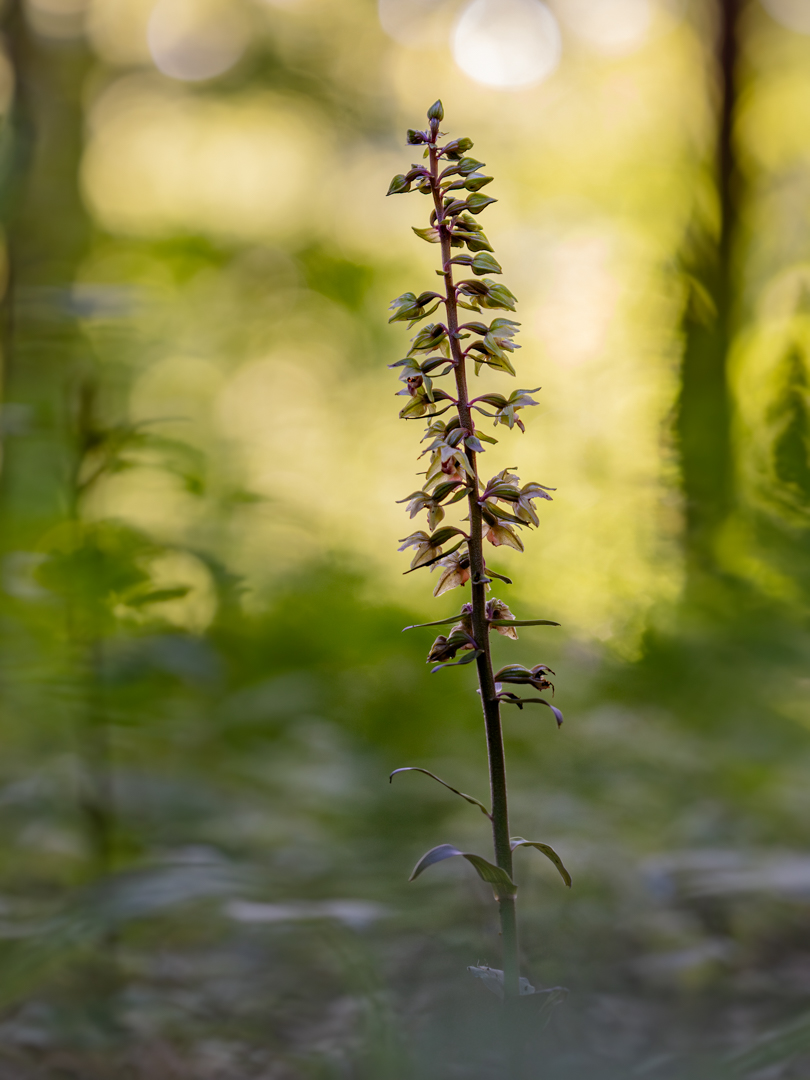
(792, 14)
(508, 44)
(195, 40)
(409, 22)
(612, 27)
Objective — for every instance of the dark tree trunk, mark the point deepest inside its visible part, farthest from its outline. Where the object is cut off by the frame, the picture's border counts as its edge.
(704, 420)
(44, 352)
(47, 234)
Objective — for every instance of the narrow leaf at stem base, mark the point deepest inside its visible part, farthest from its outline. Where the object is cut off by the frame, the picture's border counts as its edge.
(469, 798)
(503, 886)
(547, 850)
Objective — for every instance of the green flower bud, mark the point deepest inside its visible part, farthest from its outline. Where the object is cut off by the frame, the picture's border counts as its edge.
(398, 185)
(456, 149)
(477, 202)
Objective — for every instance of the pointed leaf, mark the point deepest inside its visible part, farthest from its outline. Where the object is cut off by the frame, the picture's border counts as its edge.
(478, 242)
(398, 185)
(500, 577)
(558, 716)
(439, 622)
(513, 699)
(500, 881)
(435, 855)
(548, 851)
(467, 165)
(157, 596)
(457, 148)
(498, 401)
(441, 555)
(475, 181)
(484, 263)
(492, 510)
(441, 536)
(486, 438)
(522, 622)
(469, 798)
(477, 202)
(467, 658)
(430, 234)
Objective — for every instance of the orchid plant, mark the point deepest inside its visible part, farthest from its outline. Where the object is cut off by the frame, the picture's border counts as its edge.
(497, 509)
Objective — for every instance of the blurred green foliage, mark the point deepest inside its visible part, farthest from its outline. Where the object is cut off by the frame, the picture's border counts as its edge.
(203, 684)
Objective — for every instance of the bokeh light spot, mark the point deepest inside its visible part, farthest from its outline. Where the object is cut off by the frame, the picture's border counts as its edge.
(56, 18)
(159, 160)
(613, 27)
(410, 22)
(193, 40)
(792, 14)
(195, 610)
(509, 44)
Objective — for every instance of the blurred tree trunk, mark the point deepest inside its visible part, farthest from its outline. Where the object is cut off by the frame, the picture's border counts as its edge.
(704, 420)
(44, 353)
(47, 233)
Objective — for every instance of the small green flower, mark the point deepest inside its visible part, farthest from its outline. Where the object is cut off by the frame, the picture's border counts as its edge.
(455, 572)
(497, 609)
